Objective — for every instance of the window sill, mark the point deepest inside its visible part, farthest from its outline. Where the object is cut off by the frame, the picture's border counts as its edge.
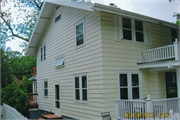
(130, 41)
(80, 46)
(46, 97)
(83, 102)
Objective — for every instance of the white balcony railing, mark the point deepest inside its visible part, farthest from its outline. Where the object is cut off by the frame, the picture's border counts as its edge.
(162, 109)
(162, 53)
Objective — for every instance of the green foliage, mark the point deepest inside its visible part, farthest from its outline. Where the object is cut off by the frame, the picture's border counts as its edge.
(13, 63)
(27, 85)
(21, 26)
(14, 96)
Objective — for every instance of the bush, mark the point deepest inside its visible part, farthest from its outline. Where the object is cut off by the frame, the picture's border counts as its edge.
(14, 96)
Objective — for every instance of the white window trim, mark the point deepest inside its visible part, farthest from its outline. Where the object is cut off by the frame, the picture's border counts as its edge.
(82, 45)
(132, 30)
(42, 46)
(80, 88)
(130, 85)
(56, 17)
(60, 66)
(45, 80)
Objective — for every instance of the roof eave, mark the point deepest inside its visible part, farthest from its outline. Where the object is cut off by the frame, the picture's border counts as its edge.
(44, 17)
(118, 11)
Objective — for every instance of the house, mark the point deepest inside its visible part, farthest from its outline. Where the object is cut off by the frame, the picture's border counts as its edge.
(17, 80)
(93, 58)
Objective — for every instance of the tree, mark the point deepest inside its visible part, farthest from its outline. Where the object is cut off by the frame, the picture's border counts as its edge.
(14, 63)
(177, 15)
(14, 96)
(26, 13)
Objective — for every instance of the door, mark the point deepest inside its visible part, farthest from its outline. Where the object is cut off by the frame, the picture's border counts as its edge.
(171, 84)
(57, 99)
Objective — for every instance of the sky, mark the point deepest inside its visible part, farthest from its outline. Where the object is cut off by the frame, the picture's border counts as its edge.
(160, 9)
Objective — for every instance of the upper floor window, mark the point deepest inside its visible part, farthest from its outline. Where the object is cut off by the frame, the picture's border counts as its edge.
(132, 30)
(58, 18)
(172, 35)
(60, 61)
(79, 28)
(80, 88)
(129, 85)
(43, 52)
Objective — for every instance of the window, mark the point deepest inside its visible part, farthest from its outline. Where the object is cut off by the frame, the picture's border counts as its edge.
(43, 53)
(45, 88)
(58, 18)
(128, 29)
(59, 62)
(139, 31)
(129, 85)
(172, 35)
(81, 88)
(35, 87)
(79, 28)
(132, 30)
(127, 32)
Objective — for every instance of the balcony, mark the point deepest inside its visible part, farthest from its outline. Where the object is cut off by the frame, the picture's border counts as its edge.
(162, 53)
(32, 102)
(161, 109)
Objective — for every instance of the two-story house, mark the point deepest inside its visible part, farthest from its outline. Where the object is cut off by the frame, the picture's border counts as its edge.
(93, 58)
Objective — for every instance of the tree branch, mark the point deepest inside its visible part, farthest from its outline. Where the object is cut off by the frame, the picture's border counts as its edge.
(25, 39)
(39, 6)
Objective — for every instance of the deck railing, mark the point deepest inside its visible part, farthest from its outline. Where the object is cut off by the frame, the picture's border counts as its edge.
(165, 105)
(162, 53)
(130, 109)
(148, 109)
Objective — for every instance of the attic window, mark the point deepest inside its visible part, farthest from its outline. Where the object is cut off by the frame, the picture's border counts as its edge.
(58, 18)
(59, 62)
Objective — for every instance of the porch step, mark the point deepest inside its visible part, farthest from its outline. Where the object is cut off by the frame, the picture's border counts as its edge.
(51, 116)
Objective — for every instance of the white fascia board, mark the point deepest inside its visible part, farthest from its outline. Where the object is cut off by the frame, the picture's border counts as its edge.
(167, 64)
(118, 11)
(79, 5)
(28, 47)
(74, 4)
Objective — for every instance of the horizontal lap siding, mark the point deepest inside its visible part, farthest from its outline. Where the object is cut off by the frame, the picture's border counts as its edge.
(123, 56)
(60, 39)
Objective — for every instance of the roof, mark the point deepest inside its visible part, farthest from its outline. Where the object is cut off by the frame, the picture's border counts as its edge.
(17, 80)
(50, 5)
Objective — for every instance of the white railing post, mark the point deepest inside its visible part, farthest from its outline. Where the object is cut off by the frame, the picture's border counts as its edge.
(117, 110)
(177, 50)
(149, 106)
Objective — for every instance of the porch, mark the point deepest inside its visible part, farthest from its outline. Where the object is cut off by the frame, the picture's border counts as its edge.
(160, 109)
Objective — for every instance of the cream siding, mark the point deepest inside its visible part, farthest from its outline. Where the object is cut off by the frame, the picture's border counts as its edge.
(60, 40)
(125, 56)
(100, 58)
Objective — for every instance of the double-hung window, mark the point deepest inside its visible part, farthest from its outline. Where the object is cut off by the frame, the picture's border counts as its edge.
(43, 52)
(80, 88)
(79, 28)
(132, 30)
(129, 85)
(172, 35)
(46, 88)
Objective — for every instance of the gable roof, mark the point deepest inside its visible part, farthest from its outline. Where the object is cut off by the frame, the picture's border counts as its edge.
(17, 80)
(50, 5)
(44, 17)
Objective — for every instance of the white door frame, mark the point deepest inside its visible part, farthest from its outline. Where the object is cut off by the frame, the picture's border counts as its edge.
(57, 111)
